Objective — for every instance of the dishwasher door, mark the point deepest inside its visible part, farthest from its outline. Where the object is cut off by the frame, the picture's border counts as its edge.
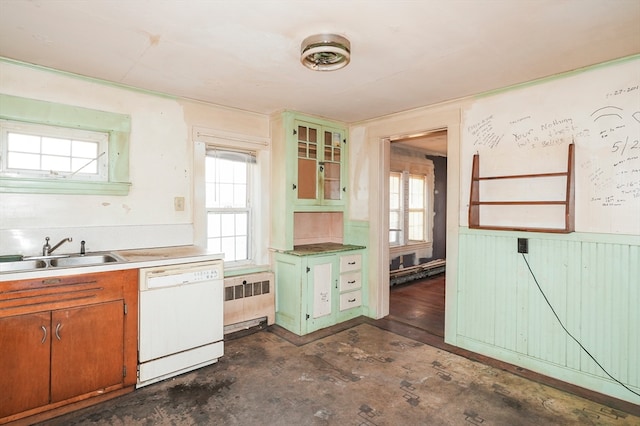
(181, 319)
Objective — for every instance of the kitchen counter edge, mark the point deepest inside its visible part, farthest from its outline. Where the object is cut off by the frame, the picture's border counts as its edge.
(133, 259)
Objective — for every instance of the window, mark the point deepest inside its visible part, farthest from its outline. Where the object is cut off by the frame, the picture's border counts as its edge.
(228, 203)
(408, 207)
(31, 150)
(52, 148)
(417, 208)
(395, 208)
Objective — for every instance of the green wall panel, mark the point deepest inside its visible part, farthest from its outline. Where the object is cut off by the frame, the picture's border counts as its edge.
(591, 280)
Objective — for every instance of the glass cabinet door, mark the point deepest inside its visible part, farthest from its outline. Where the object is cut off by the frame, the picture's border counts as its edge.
(332, 160)
(307, 162)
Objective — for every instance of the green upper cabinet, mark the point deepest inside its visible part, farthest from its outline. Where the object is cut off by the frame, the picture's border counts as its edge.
(319, 165)
(308, 171)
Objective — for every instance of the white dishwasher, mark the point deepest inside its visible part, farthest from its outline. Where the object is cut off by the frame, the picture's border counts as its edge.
(181, 319)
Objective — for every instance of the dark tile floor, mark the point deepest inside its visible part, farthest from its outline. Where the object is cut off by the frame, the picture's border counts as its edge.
(357, 374)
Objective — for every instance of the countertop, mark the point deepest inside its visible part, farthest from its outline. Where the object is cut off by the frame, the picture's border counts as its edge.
(321, 248)
(132, 259)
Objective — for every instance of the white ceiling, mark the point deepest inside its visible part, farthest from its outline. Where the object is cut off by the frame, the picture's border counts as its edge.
(245, 54)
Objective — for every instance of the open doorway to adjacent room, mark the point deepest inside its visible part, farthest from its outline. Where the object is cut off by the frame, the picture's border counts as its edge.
(417, 230)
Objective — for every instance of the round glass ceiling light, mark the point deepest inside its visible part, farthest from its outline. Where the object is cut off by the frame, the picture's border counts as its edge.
(325, 52)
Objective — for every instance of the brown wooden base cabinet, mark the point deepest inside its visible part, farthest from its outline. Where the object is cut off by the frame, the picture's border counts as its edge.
(65, 340)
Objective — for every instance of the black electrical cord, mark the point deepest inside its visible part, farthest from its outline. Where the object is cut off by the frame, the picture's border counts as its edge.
(571, 335)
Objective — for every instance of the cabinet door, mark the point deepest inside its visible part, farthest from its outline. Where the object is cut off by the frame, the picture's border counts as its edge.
(308, 151)
(322, 279)
(320, 164)
(24, 362)
(87, 349)
(332, 164)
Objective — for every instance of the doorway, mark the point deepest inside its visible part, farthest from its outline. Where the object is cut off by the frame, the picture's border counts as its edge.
(417, 244)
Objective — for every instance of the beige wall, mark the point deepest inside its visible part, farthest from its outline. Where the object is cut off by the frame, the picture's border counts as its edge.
(161, 167)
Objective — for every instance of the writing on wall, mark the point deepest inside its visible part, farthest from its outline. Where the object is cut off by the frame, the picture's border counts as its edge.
(527, 130)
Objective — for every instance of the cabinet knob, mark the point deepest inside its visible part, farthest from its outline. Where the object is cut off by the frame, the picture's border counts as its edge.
(293, 186)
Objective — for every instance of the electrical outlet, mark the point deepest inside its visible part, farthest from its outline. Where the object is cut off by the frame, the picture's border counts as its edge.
(523, 245)
(178, 204)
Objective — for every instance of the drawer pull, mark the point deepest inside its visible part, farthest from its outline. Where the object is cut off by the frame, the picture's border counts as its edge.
(44, 334)
(351, 263)
(352, 300)
(351, 282)
(58, 331)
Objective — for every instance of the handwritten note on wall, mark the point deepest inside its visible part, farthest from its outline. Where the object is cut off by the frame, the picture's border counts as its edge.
(527, 130)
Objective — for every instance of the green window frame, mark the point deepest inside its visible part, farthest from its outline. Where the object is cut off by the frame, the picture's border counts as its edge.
(117, 126)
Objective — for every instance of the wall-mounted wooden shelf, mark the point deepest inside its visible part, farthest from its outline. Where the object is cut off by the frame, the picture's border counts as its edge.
(568, 202)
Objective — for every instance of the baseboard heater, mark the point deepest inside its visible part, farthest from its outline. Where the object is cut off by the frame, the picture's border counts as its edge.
(249, 300)
(417, 272)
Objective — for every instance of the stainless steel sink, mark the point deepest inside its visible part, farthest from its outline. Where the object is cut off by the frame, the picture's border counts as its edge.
(83, 260)
(59, 261)
(22, 265)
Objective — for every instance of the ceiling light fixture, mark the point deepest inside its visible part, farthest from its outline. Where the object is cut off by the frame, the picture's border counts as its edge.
(325, 52)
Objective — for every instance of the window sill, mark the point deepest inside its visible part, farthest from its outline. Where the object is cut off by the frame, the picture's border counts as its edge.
(51, 186)
(401, 249)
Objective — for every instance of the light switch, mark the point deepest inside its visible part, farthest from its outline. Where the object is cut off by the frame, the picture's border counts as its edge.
(178, 203)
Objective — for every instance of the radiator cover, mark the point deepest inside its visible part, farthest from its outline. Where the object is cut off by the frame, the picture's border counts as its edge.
(248, 300)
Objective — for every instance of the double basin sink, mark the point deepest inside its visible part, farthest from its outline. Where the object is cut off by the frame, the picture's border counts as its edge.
(59, 261)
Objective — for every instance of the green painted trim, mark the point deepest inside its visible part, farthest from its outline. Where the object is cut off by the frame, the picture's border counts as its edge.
(89, 79)
(42, 112)
(323, 122)
(556, 76)
(118, 126)
(574, 236)
(57, 186)
(228, 273)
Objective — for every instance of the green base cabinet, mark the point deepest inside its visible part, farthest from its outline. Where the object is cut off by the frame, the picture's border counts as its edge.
(317, 291)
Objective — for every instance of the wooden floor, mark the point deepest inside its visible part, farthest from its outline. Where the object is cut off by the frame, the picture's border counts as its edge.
(420, 303)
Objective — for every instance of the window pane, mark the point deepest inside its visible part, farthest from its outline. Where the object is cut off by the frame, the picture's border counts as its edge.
(416, 192)
(239, 172)
(23, 143)
(84, 149)
(416, 226)
(241, 223)
(55, 163)
(84, 165)
(241, 248)
(56, 146)
(394, 191)
(227, 246)
(227, 224)
(239, 196)
(17, 160)
(225, 195)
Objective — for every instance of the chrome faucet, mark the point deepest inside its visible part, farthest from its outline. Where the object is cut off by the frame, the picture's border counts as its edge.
(47, 249)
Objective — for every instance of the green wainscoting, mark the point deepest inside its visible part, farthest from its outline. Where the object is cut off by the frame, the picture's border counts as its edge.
(593, 283)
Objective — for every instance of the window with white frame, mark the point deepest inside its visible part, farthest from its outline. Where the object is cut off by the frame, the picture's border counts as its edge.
(228, 177)
(408, 208)
(395, 208)
(43, 151)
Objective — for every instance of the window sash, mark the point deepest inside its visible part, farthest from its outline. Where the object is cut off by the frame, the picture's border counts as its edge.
(228, 186)
(41, 151)
(408, 207)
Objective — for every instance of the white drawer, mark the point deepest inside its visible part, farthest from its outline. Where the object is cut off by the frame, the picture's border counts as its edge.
(353, 299)
(351, 262)
(350, 281)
